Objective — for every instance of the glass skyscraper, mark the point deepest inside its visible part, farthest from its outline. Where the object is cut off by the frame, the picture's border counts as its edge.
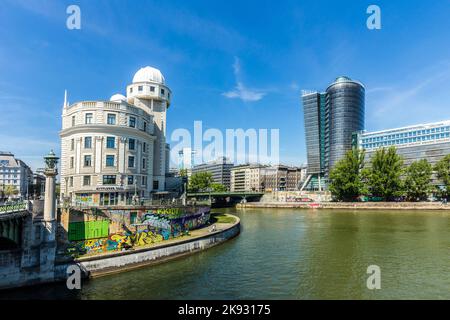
(331, 118)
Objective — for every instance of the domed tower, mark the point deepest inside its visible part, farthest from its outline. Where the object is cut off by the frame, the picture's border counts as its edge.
(150, 93)
(345, 108)
(115, 150)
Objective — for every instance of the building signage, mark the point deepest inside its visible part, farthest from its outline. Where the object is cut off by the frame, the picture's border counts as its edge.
(110, 188)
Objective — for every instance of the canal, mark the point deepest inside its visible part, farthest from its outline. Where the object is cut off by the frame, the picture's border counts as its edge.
(295, 254)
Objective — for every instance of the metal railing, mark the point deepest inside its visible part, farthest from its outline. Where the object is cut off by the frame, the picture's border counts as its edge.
(15, 207)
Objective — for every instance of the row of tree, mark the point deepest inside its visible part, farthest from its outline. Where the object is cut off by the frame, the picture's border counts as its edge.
(204, 182)
(386, 177)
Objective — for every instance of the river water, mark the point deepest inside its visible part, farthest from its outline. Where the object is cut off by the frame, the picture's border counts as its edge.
(296, 254)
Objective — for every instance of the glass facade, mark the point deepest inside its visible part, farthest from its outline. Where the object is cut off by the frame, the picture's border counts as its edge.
(311, 110)
(426, 141)
(330, 120)
(345, 104)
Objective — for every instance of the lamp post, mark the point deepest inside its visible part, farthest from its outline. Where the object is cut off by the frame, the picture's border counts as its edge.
(51, 160)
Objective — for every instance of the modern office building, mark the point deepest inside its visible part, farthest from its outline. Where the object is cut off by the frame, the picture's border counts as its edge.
(14, 173)
(430, 141)
(331, 118)
(113, 150)
(219, 169)
(260, 178)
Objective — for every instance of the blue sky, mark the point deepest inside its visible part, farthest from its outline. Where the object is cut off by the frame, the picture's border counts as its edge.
(281, 47)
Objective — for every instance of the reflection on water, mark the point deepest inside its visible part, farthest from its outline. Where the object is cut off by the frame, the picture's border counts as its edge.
(295, 254)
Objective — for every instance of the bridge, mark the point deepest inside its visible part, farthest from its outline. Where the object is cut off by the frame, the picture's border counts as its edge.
(11, 224)
(220, 197)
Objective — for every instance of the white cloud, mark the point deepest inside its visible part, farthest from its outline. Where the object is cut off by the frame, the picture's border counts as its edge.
(240, 91)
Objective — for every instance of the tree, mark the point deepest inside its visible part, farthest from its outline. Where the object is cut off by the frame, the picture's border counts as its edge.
(10, 190)
(346, 178)
(183, 173)
(384, 175)
(200, 182)
(417, 180)
(218, 187)
(442, 169)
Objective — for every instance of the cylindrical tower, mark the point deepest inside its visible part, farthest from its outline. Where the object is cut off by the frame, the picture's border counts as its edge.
(345, 115)
(150, 93)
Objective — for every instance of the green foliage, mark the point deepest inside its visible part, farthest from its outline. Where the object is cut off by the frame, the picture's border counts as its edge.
(384, 176)
(218, 187)
(200, 182)
(346, 178)
(442, 169)
(10, 190)
(183, 173)
(417, 180)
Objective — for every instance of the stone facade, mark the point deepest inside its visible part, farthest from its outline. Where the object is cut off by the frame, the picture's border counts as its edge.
(112, 150)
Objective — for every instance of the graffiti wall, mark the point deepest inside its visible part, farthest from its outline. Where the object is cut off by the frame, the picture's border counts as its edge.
(134, 228)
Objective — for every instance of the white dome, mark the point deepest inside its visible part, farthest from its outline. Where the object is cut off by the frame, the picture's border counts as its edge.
(118, 98)
(148, 74)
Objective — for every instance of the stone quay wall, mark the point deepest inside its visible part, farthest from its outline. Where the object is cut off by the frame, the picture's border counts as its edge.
(349, 205)
(111, 263)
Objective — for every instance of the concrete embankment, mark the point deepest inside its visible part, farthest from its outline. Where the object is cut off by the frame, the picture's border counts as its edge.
(104, 264)
(349, 205)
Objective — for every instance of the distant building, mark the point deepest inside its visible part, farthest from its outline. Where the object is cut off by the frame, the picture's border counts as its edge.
(331, 118)
(430, 141)
(219, 169)
(14, 172)
(38, 187)
(260, 178)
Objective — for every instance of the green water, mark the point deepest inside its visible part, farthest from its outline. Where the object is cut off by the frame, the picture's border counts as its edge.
(298, 254)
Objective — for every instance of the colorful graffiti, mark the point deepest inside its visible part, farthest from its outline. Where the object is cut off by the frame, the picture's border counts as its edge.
(118, 242)
(159, 224)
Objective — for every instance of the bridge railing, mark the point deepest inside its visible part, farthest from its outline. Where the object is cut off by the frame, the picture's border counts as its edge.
(15, 207)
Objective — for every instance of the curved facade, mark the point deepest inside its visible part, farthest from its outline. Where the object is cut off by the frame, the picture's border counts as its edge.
(112, 150)
(345, 108)
(331, 119)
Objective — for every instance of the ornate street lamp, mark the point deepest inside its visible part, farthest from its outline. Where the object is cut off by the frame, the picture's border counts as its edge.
(51, 160)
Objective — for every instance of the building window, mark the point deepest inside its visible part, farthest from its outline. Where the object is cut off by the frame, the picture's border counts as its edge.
(110, 142)
(152, 89)
(109, 180)
(88, 142)
(144, 180)
(144, 147)
(88, 118)
(143, 163)
(130, 162)
(156, 184)
(71, 162)
(132, 122)
(73, 121)
(140, 88)
(71, 182)
(145, 126)
(131, 90)
(110, 161)
(86, 180)
(72, 144)
(131, 144)
(130, 180)
(111, 118)
(162, 92)
(87, 160)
